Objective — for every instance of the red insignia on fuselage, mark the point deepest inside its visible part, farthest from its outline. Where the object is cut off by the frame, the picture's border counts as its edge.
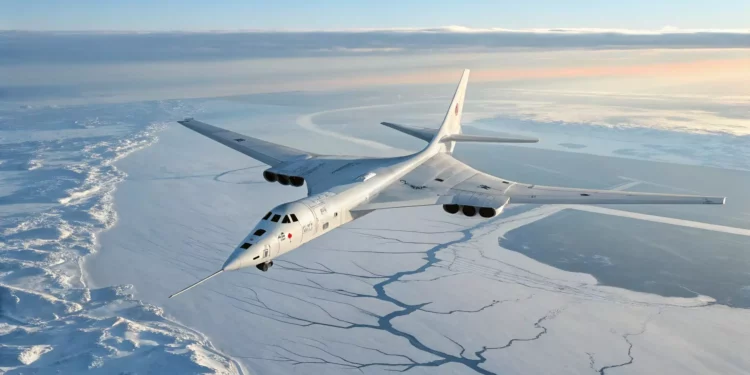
(290, 236)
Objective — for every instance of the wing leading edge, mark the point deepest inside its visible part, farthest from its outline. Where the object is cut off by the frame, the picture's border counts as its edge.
(520, 193)
(263, 151)
(444, 180)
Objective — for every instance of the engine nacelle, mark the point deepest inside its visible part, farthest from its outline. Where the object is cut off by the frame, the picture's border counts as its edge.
(471, 211)
(283, 179)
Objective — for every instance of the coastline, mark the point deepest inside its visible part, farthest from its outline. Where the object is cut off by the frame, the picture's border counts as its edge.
(60, 183)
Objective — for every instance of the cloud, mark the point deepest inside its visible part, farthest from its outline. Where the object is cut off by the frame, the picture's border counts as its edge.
(667, 30)
(24, 47)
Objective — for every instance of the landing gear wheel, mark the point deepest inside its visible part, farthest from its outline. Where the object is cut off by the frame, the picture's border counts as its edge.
(263, 267)
(270, 264)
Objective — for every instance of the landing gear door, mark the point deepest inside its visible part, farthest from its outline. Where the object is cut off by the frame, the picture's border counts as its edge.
(271, 250)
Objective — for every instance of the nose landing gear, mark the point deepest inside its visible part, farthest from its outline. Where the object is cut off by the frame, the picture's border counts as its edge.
(264, 266)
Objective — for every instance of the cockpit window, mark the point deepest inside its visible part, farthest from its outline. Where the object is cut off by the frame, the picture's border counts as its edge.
(246, 245)
(276, 218)
(259, 232)
(294, 217)
(267, 215)
(286, 220)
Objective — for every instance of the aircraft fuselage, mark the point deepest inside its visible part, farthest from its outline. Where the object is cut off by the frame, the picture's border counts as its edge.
(292, 224)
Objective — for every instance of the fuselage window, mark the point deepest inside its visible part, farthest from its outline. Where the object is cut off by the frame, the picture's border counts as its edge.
(335, 214)
(325, 226)
(286, 220)
(246, 245)
(294, 217)
(276, 218)
(267, 215)
(259, 232)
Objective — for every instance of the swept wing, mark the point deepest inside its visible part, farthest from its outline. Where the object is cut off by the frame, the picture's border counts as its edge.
(445, 180)
(263, 151)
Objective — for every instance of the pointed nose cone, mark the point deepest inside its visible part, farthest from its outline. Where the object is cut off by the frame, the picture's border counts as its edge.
(244, 257)
(234, 262)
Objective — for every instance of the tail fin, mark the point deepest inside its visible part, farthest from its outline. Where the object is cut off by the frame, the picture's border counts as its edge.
(445, 138)
(452, 122)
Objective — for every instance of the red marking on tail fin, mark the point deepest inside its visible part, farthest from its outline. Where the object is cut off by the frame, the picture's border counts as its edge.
(456, 109)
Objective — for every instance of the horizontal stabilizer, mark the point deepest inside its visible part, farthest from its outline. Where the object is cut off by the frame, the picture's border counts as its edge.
(481, 138)
(421, 133)
(427, 135)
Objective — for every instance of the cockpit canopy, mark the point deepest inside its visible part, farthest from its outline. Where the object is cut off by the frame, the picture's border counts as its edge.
(291, 218)
(257, 233)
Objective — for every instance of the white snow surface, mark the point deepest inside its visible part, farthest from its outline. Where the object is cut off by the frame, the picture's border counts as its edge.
(57, 187)
(411, 290)
(406, 290)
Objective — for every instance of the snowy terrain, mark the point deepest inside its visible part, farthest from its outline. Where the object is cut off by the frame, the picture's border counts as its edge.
(86, 269)
(57, 176)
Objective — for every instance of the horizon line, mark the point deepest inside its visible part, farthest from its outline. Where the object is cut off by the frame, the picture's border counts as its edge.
(451, 29)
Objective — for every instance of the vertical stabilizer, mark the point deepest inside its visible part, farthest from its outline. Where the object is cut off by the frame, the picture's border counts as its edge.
(452, 122)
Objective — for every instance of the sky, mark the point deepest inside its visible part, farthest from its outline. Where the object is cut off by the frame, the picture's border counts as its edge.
(197, 15)
(693, 55)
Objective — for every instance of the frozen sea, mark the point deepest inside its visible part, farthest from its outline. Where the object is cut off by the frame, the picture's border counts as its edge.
(107, 209)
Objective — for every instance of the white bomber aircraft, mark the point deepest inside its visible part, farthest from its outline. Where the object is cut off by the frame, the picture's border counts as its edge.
(341, 189)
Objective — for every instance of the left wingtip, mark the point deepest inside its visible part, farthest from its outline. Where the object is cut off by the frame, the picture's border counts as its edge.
(185, 121)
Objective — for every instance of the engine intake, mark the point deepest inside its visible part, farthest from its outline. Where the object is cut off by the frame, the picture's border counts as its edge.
(283, 179)
(451, 208)
(487, 212)
(469, 210)
(297, 181)
(270, 176)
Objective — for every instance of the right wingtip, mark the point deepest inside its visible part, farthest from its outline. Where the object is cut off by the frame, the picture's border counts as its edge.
(716, 200)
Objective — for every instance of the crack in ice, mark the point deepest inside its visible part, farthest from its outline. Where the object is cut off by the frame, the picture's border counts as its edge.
(384, 322)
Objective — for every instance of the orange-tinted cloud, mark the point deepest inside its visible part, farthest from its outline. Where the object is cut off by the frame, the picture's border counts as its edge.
(657, 69)
(673, 69)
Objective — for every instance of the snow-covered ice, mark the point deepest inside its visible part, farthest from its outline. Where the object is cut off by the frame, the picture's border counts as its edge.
(86, 269)
(58, 183)
(408, 290)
